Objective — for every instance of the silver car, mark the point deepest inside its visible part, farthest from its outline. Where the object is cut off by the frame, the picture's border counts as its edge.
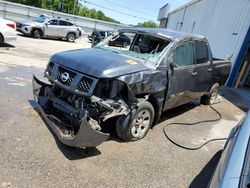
(233, 169)
(47, 27)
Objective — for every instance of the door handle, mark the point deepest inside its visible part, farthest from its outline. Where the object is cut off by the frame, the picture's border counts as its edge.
(209, 69)
(194, 73)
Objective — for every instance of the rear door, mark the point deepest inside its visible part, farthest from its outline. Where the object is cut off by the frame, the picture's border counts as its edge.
(182, 75)
(63, 28)
(204, 67)
(51, 28)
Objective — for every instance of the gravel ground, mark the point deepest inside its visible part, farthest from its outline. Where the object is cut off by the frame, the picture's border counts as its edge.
(32, 157)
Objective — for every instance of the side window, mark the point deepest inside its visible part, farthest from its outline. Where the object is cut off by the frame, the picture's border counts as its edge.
(122, 36)
(70, 24)
(183, 54)
(201, 52)
(63, 23)
(53, 22)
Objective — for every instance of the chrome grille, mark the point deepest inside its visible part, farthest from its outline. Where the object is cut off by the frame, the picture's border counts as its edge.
(85, 84)
(61, 71)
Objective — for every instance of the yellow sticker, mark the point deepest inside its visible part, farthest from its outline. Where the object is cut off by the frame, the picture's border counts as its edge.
(131, 62)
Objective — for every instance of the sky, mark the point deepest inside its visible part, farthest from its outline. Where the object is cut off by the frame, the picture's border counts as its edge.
(132, 11)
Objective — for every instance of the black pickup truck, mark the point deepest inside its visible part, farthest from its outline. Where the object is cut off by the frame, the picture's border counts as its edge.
(159, 70)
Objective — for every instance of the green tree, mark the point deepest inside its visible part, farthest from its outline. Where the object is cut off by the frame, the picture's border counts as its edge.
(100, 15)
(67, 8)
(148, 24)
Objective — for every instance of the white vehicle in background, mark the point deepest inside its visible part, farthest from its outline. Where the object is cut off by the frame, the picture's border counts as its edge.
(7, 31)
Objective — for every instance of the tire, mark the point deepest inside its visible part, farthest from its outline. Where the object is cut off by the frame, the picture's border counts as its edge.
(210, 99)
(136, 124)
(37, 34)
(125, 44)
(1, 39)
(71, 37)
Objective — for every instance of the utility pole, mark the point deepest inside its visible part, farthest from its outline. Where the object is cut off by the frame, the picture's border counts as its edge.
(75, 5)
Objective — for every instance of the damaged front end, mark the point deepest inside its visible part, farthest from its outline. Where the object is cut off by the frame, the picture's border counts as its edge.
(76, 119)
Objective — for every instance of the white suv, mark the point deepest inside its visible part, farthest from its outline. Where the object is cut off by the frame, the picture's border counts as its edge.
(7, 31)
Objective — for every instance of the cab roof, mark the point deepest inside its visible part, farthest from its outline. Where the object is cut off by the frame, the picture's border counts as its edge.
(166, 33)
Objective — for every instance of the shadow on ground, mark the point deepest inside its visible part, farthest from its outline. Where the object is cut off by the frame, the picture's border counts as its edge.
(109, 127)
(178, 111)
(55, 39)
(203, 178)
(73, 153)
(6, 45)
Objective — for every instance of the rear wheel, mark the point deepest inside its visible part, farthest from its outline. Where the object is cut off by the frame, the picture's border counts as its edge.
(71, 37)
(210, 99)
(136, 124)
(37, 34)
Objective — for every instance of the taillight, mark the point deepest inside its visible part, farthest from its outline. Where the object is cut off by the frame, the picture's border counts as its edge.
(12, 26)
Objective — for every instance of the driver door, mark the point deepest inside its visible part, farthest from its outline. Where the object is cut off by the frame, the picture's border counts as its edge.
(51, 28)
(182, 75)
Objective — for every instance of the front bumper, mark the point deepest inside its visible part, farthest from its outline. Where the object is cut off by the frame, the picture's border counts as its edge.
(26, 30)
(8, 39)
(86, 136)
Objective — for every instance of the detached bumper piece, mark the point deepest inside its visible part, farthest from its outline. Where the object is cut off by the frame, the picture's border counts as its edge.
(85, 136)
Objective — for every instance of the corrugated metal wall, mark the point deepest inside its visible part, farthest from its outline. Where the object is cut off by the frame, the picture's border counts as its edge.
(17, 12)
(223, 22)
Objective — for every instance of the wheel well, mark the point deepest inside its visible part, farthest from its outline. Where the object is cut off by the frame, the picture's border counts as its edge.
(71, 32)
(36, 29)
(153, 100)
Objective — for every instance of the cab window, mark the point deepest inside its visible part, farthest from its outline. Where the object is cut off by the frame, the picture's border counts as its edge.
(53, 22)
(201, 52)
(63, 23)
(183, 54)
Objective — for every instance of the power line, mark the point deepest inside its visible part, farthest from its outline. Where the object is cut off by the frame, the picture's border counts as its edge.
(117, 11)
(129, 8)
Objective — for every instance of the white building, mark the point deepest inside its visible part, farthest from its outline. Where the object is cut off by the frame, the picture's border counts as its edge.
(225, 23)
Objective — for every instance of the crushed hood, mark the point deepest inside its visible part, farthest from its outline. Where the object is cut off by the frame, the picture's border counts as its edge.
(98, 62)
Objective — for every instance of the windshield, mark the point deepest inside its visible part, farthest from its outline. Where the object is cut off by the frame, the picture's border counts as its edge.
(140, 46)
(40, 19)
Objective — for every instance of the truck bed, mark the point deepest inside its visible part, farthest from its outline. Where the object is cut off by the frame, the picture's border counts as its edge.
(221, 71)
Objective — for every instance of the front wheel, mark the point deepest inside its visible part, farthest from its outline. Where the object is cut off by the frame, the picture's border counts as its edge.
(71, 37)
(37, 34)
(136, 124)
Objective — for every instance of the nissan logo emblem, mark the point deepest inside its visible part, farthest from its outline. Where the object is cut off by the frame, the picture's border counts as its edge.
(65, 76)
